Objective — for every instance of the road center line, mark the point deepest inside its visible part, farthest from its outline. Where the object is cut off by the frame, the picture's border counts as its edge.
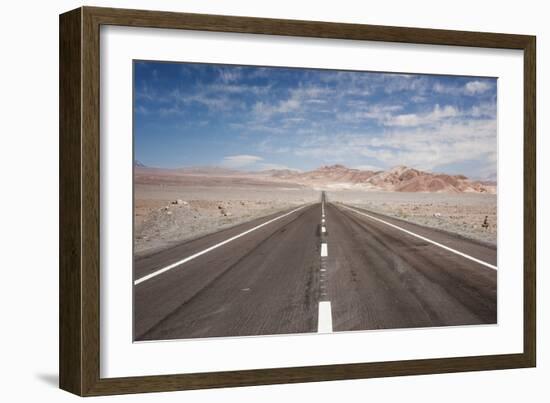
(456, 252)
(187, 259)
(324, 321)
(324, 250)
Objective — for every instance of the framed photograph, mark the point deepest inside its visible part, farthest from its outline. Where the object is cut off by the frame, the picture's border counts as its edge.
(249, 201)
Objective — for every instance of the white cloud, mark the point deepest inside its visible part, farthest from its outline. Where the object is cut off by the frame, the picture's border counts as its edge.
(142, 110)
(365, 111)
(409, 119)
(470, 88)
(251, 163)
(297, 102)
(417, 99)
(412, 119)
(445, 89)
(229, 74)
(215, 103)
(403, 82)
(476, 87)
(264, 110)
(149, 93)
(368, 167)
(423, 147)
(488, 109)
(316, 101)
(386, 115)
(288, 105)
(240, 161)
(226, 88)
(269, 166)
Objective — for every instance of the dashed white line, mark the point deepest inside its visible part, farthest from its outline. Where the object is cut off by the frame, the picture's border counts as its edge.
(187, 259)
(324, 322)
(464, 255)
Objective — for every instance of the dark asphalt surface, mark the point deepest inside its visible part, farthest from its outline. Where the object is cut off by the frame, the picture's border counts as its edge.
(262, 283)
(381, 278)
(269, 281)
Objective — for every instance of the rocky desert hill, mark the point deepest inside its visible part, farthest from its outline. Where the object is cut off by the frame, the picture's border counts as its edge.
(329, 177)
(398, 179)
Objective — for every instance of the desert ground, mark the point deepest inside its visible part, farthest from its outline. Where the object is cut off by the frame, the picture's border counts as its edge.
(173, 206)
(169, 209)
(459, 213)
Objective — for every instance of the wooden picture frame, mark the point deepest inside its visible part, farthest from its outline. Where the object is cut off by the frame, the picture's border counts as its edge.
(79, 347)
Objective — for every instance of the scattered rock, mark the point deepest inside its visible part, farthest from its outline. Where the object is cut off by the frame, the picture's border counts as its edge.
(180, 202)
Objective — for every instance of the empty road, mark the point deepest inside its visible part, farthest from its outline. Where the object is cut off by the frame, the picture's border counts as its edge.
(325, 267)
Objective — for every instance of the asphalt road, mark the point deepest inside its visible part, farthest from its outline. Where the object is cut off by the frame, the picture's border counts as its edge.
(294, 273)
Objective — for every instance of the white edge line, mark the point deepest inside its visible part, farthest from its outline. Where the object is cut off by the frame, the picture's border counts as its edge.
(187, 259)
(481, 262)
(324, 321)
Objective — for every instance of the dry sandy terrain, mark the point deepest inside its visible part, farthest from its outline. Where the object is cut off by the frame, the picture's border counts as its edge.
(460, 213)
(171, 206)
(206, 204)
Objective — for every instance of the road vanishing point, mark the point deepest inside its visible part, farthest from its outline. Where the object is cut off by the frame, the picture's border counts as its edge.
(323, 267)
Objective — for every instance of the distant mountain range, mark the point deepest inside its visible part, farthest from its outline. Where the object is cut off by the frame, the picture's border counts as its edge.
(398, 179)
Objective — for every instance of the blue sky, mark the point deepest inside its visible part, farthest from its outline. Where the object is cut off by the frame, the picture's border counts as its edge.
(257, 118)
